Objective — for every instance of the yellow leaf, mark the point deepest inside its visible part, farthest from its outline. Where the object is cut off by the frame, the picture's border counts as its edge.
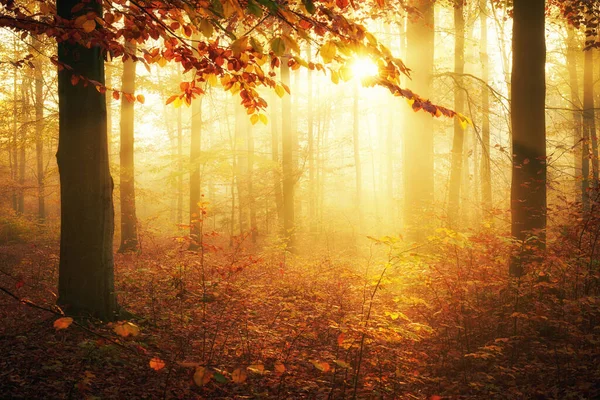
(238, 376)
(254, 119)
(258, 368)
(328, 51)
(157, 364)
(291, 43)
(177, 102)
(335, 77)
(321, 366)
(346, 73)
(206, 28)
(89, 25)
(279, 367)
(162, 62)
(280, 91)
(342, 364)
(125, 329)
(263, 118)
(63, 323)
(202, 376)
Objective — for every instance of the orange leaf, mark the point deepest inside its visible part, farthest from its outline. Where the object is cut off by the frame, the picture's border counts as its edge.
(321, 366)
(171, 99)
(116, 95)
(141, 98)
(279, 368)
(157, 364)
(63, 323)
(238, 375)
(125, 329)
(89, 25)
(202, 376)
(74, 79)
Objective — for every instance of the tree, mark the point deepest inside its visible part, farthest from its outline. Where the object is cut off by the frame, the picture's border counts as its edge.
(528, 93)
(129, 239)
(486, 176)
(195, 152)
(418, 150)
(86, 280)
(287, 160)
(39, 132)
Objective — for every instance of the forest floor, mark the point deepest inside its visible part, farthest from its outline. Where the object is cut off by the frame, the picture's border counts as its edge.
(243, 323)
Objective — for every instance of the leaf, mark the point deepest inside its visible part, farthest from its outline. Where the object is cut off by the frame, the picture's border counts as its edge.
(340, 339)
(202, 376)
(328, 51)
(63, 323)
(257, 368)
(238, 375)
(279, 368)
(321, 365)
(116, 95)
(171, 99)
(342, 364)
(310, 6)
(220, 378)
(263, 118)
(157, 364)
(280, 91)
(291, 43)
(141, 98)
(254, 119)
(89, 25)
(74, 79)
(126, 329)
(278, 46)
(239, 45)
(206, 28)
(342, 3)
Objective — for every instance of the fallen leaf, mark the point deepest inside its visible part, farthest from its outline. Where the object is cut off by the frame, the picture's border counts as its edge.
(202, 376)
(63, 323)
(157, 364)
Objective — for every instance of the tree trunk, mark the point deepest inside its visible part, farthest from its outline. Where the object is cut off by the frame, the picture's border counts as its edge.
(241, 126)
(528, 86)
(486, 176)
(179, 164)
(249, 178)
(589, 123)
(23, 144)
(129, 240)
(109, 99)
(287, 159)
(195, 184)
(86, 281)
(312, 218)
(39, 134)
(459, 101)
(573, 50)
(14, 152)
(357, 164)
(418, 149)
(276, 161)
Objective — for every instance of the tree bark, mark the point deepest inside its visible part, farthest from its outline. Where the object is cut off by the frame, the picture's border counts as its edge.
(312, 215)
(86, 280)
(418, 149)
(287, 159)
(528, 87)
(195, 183)
(459, 101)
(589, 128)
(486, 176)
(39, 134)
(357, 164)
(129, 240)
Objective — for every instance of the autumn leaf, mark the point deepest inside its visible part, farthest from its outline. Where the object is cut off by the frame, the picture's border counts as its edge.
(74, 79)
(125, 329)
(278, 46)
(279, 368)
(63, 323)
(89, 25)
(254, 119)
(342, 364)
(279, 90)
(157, 364)
(202, 376)
(116, 95)
(321, 365)
(328, 51)
(238, 375)
(141, 98)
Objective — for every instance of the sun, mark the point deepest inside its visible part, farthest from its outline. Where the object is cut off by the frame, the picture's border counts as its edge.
(364, 68)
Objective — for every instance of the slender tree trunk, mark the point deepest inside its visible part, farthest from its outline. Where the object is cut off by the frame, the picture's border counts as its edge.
(287, 153)
(357, 164)
(241, 127)
(39, 133)
(250, 182)
(528, 85)
(86, 280)
(129, 239)
(486, 176)
(573, 51)
(459, 102)
(418, 150)
(15, 141)
(23, 144)
(195, 183)
(275, 157)
(179, 164)
(589, 121)
(311, 151)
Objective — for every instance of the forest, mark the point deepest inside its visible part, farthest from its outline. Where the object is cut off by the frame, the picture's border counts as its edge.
(299, 199)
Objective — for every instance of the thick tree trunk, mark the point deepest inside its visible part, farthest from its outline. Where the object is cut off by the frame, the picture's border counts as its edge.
(486, 176)
(287, 159)
(459, 101)
(86, 282)
(39, 135)
(589, 124)
(129, 240)
(109, 99)
(418, 149)
(528, 85)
